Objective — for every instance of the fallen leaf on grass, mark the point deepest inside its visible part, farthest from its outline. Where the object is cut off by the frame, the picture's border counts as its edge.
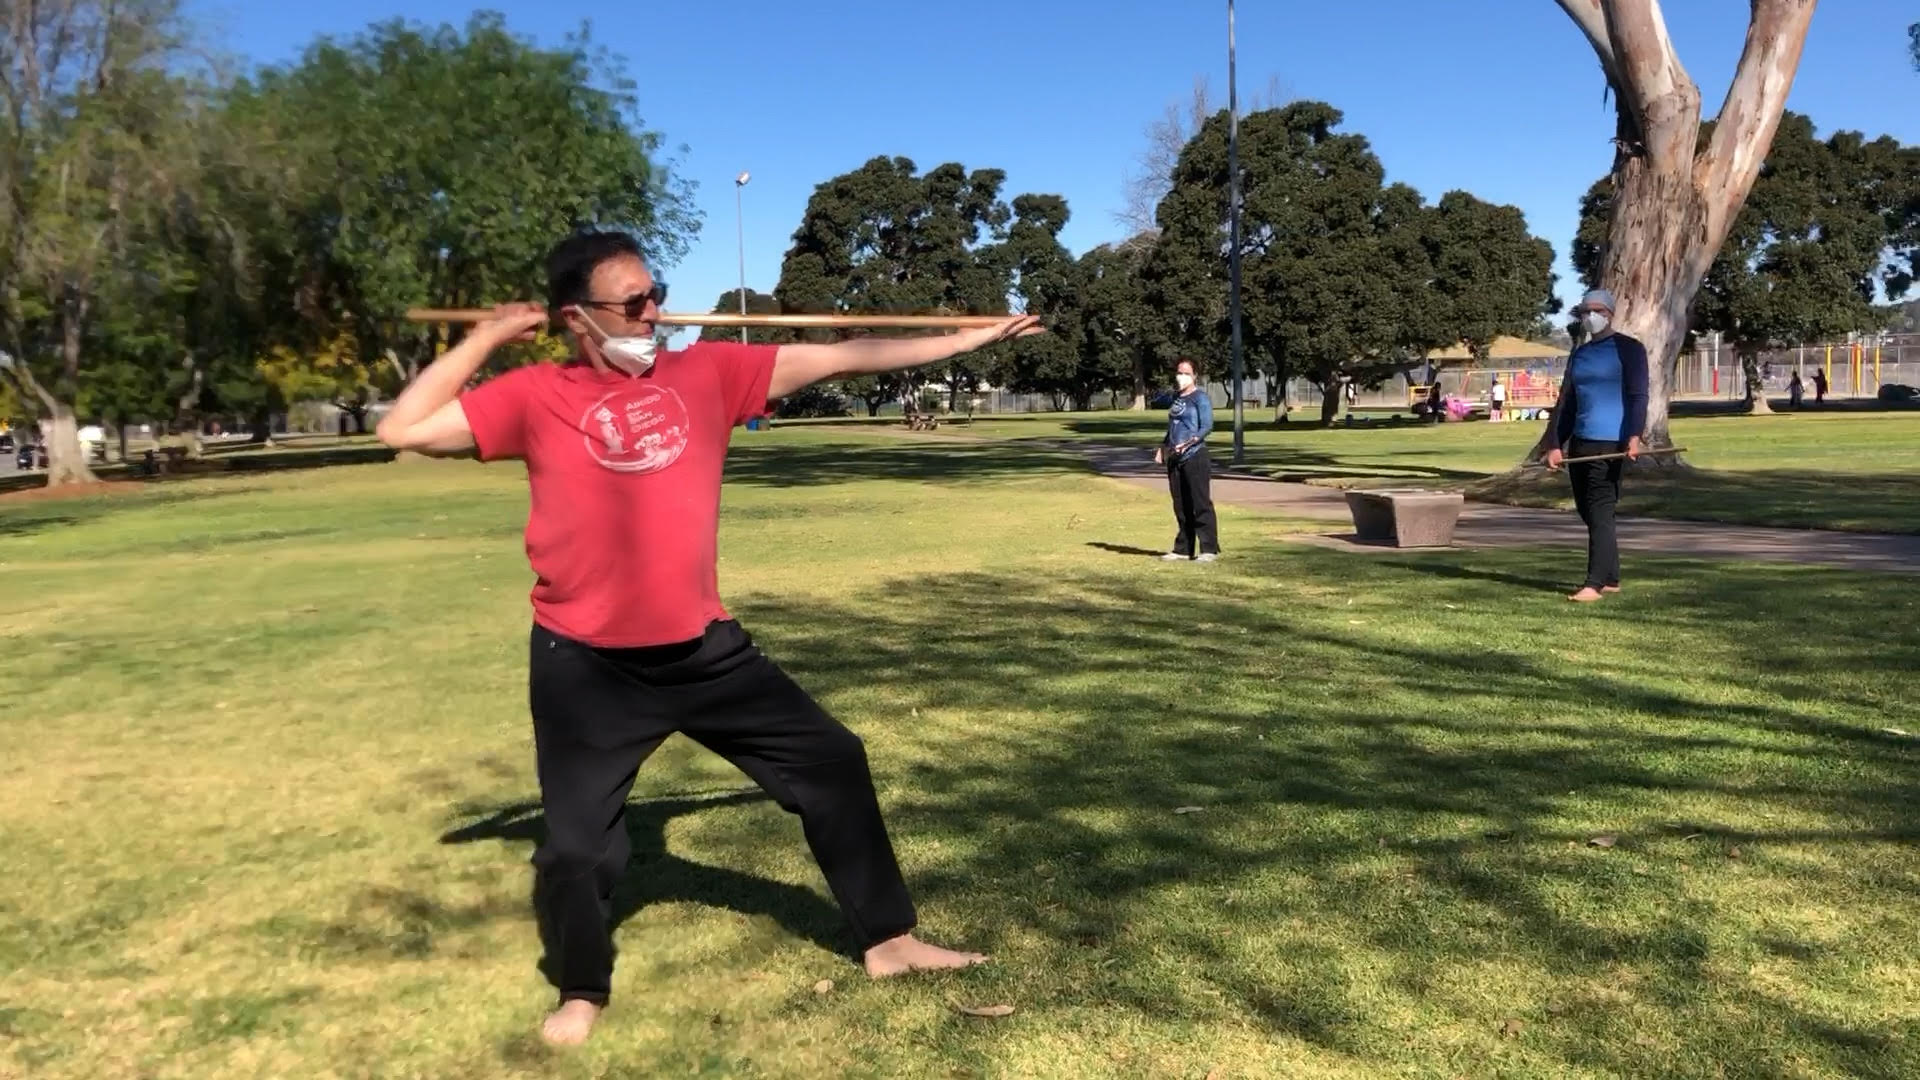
(1603, 841)
(1188, 809)
(1511, 1028)
(824, 986)
(1733, 853)
(990, 1011)
(1896, 731)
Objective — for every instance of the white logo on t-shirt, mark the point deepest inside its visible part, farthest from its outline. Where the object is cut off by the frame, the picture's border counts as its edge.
(637, 429)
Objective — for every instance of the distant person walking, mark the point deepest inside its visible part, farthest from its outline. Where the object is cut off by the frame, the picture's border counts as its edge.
(1189, 469)
(1819, 387)
(1497, 400)
(1602, 410)
(1796, 390)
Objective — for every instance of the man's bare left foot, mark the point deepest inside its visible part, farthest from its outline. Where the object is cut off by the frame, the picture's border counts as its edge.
(1609, 588)
(897, 956)
(1586, 595)
(571, 1023)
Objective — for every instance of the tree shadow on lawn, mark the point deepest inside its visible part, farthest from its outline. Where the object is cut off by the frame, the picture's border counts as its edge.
(25, 517)
(1408, 801)
(654, 875)
(1157, 695)
(1784, 498)
(788, 465)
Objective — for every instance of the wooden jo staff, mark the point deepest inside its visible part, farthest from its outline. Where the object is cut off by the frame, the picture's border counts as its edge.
(796, 322)
(1615, 456)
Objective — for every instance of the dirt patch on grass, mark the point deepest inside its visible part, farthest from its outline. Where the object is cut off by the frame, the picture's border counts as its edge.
(72, 491)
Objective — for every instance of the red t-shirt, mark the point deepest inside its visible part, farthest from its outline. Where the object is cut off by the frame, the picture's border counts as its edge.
(625, 474)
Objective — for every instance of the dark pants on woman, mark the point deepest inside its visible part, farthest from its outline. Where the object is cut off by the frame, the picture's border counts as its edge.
(598, 713)
(1596, 492)
(1190, 479)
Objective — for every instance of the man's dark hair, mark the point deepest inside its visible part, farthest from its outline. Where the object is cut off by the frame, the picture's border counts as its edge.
(571, 263)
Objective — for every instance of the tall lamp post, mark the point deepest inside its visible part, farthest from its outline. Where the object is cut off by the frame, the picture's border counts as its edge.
(740, 229)
(1233, 250)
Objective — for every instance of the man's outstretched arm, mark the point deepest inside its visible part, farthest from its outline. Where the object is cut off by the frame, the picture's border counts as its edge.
(799, 366)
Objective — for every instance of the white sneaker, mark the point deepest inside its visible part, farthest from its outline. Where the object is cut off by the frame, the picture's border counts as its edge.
(1173, 556)
(1208, 557)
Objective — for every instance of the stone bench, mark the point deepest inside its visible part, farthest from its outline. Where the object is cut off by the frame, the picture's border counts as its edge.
(1405, 518)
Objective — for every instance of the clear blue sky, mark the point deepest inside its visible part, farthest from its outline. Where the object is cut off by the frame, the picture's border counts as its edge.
(1503, 98)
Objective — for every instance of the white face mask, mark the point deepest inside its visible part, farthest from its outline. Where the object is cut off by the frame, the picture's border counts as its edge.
(1184, 380)
(632, 355)
(1596, 321)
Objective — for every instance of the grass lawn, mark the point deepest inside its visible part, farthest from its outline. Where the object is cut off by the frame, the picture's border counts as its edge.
(1841, 470)
(269, 792)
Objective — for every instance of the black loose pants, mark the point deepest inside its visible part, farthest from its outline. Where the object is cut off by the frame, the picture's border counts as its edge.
(598, 713)
(1190, 481)
(1596, 494)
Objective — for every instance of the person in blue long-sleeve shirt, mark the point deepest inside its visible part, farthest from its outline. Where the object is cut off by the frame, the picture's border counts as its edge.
(1602, 410)
(1189, 469)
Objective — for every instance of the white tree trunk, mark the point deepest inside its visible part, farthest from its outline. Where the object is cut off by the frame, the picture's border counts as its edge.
(1675, 200)
(66, 460)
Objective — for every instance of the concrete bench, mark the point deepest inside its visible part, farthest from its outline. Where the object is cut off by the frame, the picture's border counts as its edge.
(1405, 518)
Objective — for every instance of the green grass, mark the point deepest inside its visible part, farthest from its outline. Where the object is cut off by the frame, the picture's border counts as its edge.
(268, 781)
(1848, 471)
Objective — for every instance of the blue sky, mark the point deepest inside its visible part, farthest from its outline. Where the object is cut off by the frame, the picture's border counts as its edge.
(1504, 99)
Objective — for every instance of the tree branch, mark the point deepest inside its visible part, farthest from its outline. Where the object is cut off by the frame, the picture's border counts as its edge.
(29, 386)
(1592, 20)
(1751, 113)
(1653, 85)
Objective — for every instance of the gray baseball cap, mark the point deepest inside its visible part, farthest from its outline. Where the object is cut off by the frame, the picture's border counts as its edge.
(1597, 298)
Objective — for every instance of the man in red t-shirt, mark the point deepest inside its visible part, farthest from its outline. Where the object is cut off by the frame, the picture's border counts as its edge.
(630, 642)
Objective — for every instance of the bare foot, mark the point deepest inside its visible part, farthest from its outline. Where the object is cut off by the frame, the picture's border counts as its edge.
(897, 956)
(1609, 588)
(1586, 595)
(571, 1023)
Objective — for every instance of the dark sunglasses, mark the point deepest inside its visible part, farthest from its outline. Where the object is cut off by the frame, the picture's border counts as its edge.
(635, 306)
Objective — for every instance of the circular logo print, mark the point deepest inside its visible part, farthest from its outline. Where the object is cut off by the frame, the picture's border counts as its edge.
(636, 430)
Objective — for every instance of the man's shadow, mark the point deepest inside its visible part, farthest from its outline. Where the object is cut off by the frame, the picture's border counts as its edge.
(655, 875)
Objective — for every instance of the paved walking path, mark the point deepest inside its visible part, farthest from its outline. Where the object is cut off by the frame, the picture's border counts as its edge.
(1487, 525)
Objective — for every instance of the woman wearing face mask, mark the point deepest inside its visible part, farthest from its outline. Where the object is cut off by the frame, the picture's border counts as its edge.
(1602, 410)
(1189, 470)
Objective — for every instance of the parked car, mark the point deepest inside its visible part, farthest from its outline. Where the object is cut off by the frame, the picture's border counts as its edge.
(30, 456)
(6, 442)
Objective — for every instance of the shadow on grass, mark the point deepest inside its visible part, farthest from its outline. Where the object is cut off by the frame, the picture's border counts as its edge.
(1419, 815)
(1123, 549)
(1791, 499)
(28, 517)
(655, 875)
(807, 465)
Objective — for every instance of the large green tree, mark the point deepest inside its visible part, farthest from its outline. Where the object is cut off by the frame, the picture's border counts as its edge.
(1121, 330)
(95, 150)
(1491, 276)
(1065, 363)
(1336, 276)
(887, 238)
(457, 157)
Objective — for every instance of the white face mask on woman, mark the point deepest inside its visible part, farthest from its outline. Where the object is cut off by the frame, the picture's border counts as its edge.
(1184, 380)
(1596, 321)
(632, 355)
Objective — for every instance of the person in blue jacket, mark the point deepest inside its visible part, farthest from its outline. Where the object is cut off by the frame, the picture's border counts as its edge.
(1189, 470)
(1602, 410)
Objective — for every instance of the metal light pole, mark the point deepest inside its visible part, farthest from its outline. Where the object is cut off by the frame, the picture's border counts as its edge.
(740, 228)
(1233, 251)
